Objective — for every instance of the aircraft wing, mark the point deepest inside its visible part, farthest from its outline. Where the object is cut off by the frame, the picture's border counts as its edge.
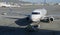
(15, 15)
(12, 17)
(56, 17)
(24, 14)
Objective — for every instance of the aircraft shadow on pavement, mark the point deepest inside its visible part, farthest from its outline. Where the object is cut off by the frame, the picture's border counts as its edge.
(23, 22)
(5, 30)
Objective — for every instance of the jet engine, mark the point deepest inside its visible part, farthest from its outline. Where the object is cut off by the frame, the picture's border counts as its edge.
(47, 19)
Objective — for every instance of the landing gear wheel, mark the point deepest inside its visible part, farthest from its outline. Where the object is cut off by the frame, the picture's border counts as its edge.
(32, 28)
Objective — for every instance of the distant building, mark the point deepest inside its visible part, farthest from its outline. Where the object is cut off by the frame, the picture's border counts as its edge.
(26, 4)
(4, 4)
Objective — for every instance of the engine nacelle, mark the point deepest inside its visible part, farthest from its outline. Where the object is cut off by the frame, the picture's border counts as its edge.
(47, 19)
(51, 19)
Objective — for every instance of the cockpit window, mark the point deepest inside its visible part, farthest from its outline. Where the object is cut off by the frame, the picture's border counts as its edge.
(35, 13)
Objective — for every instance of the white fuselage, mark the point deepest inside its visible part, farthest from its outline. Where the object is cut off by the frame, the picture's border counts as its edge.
(38, 14)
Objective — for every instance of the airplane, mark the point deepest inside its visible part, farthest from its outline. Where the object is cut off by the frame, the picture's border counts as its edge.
(37, 15)
(40, 15)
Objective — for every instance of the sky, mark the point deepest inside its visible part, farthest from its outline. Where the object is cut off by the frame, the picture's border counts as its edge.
(38, 1)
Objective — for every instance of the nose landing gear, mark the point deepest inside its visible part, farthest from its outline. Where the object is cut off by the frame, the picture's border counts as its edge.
(33, 27)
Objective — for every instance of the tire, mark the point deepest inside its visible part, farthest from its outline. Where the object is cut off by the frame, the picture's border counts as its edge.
(32, 28)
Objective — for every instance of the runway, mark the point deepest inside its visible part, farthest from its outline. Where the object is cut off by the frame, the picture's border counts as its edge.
(13, 26)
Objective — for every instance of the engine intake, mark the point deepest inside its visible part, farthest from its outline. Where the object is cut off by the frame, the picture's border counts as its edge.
(51, 19)
(47, 19)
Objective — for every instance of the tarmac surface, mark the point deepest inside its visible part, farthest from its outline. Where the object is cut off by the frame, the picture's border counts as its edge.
(14, 26)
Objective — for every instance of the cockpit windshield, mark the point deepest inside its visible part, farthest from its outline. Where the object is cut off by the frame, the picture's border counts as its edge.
(35, 13)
